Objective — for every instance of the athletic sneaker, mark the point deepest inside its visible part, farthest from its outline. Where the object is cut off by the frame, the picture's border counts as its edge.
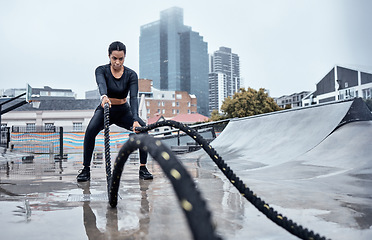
(144, 173)
(84, 175)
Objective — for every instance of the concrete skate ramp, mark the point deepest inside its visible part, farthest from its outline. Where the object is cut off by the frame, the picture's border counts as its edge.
(280, 137)
(312, 164)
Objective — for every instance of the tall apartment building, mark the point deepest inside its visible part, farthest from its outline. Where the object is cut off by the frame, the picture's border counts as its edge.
(175, 57)
(224, 77)
(217, 90)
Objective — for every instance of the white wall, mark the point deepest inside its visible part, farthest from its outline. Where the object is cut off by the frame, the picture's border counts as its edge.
(58, 118)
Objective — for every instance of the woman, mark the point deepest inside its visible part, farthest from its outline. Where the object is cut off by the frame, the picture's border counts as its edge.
(114, 81)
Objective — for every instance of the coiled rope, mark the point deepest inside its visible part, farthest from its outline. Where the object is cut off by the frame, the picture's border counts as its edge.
(260, 204)
(193, 205)
(106, 117)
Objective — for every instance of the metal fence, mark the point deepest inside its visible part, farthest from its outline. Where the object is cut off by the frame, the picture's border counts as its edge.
(5, 137)
(37, 139)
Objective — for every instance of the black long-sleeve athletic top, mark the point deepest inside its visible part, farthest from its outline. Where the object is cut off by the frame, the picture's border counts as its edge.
(119, 87)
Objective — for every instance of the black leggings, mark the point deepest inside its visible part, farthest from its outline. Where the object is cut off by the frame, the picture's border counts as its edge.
(119, 115)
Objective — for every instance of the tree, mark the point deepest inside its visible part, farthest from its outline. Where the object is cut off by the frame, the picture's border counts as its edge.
(248, 103)
(288, 106)
(216, 116)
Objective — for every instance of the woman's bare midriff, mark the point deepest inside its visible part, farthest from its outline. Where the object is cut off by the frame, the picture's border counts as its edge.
(117, 101)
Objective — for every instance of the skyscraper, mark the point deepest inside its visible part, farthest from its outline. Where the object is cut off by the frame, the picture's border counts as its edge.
(224, 77)
(175, 57)
(217, 90)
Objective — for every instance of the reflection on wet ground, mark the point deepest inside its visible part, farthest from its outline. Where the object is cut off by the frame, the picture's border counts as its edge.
(38, 197)
(42, 200)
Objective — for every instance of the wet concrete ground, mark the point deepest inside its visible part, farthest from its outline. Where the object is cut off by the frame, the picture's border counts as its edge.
(314, 171)
(42, 200)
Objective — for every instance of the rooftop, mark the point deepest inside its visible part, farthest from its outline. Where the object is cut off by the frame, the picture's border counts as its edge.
(190, 118)
(320, 179)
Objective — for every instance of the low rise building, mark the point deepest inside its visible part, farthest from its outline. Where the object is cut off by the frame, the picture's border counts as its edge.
(166, 103)
(71, 114)
(42, 93)
(49, 111)
(57, 107)
(294, 100)
(342, 83)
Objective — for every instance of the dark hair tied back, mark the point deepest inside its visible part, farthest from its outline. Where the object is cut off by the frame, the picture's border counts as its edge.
(117, 46)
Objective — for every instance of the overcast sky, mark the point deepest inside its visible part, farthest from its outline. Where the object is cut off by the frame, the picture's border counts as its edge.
(285, 46)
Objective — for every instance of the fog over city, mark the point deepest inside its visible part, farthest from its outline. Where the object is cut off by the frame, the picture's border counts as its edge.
(285, 46)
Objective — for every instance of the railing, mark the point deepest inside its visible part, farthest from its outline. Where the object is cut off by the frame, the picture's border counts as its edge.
(180, 142)
(37, 139)
(12, 107)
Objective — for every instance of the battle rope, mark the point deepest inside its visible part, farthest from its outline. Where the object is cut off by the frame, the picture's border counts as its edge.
(193, 205)
(106, 117)
(260, 204)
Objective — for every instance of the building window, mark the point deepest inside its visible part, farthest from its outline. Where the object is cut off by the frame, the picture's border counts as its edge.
(178, 104)
(174, 111)
(30, 127)
(348, 93)
(366, 93)
(162, 96)
(162, 104)
(178, 111)
(188, 111)
(188, 104)
(77, 126)
(173, 104)
(148, 103)
(49, 127)
(179, 96)
(163, 111)
(148, 111)
(158, 103)
(341, 96)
